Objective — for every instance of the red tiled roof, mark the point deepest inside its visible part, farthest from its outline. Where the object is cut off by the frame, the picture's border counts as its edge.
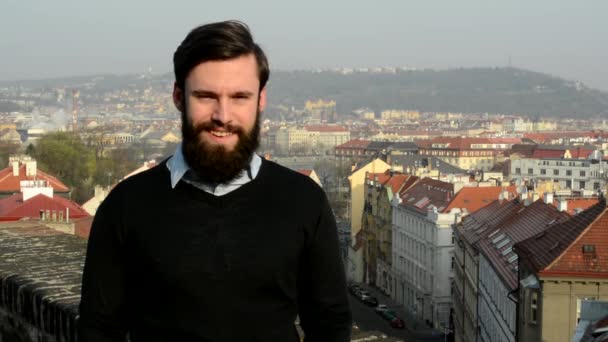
(574, 260)
(427, 193)
(14, 208)
(497, 245)
(362, 144)
(559, 249)
(398, 181)
(324, 128)
(474, 198)
(540, 153)
(574, 204)
(10, 183)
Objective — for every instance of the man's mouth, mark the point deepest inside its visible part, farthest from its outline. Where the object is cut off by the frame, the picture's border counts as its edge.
(221, 134)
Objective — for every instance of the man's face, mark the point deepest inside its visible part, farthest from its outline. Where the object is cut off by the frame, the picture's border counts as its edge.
(220, 106)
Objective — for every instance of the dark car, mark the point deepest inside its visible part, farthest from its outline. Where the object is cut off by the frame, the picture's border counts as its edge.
(397, 323)
(370, 300)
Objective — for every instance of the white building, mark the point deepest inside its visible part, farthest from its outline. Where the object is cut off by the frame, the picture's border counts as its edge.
(572, 174)
(422, 250)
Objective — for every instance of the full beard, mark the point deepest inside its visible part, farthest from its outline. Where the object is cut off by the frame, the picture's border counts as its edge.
(214, 163)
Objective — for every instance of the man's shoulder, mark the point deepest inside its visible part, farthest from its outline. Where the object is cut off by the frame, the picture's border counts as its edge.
(287, 178)
(155, 179)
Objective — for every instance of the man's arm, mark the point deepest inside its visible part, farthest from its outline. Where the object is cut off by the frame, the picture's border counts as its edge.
(322, 297)
(103, 310)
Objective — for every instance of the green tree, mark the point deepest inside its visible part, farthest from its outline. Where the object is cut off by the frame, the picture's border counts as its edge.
(64, 155)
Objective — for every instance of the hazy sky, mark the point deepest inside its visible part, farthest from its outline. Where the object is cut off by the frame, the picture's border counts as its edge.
(47, 38)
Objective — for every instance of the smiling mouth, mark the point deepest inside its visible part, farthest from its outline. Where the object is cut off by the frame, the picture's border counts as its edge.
(221, 134)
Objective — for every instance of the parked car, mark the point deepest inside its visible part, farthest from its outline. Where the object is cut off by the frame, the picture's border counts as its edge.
(388, 315)
(370, 300)
(354, 289)
(362, 294)
(380, 308)
(397, 323)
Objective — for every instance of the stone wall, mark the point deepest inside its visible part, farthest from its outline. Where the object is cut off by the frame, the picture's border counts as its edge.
(40, 279)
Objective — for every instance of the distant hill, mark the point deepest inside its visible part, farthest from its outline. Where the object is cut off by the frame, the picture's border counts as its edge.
(479, 90)
(471, 90)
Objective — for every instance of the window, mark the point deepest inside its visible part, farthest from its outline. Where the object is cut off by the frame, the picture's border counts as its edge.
(534, 307)
(518, 170)
(581, 185)
(568, 172)
(530, 171)
(543, 171)
(556, 172)
(452, 267)
(582, 173)
(596, 186)
(569, 184)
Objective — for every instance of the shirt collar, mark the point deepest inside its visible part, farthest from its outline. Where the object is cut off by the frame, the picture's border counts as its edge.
(178, 167)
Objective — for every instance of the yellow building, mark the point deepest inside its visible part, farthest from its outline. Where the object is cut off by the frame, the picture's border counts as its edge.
(321, 110)
(357, 201)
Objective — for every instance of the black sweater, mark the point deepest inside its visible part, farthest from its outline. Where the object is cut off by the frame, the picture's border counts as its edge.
(184, 265)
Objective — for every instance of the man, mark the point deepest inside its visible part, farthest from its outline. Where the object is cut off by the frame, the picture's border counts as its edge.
(215, 244)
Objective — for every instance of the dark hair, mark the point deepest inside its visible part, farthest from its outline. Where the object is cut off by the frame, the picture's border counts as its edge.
(217, 41)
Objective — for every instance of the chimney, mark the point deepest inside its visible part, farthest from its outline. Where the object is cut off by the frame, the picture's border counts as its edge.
(16, 168)
(562, 204)
(535, 196)
(67, 215)
(548, 197)
(30, 168)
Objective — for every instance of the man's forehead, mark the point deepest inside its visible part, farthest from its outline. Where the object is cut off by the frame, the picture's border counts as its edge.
(240, 72)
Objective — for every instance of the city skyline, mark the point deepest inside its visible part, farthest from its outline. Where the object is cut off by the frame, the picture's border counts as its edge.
(67, 38)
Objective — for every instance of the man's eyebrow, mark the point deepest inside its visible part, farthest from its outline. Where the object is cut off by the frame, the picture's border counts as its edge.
(243, 93)
(204, 93)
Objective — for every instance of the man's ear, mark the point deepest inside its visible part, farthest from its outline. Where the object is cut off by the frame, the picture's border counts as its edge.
(262, 101)
(178, 97)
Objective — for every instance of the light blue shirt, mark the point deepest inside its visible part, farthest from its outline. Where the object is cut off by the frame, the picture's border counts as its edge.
(178, 167)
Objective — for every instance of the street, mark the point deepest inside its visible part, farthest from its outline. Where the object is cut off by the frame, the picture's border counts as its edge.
(367, 319)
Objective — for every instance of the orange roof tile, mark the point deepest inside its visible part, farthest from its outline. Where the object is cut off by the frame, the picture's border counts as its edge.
(475, 198)
(559, 249)
(588, 253)
(576, 204)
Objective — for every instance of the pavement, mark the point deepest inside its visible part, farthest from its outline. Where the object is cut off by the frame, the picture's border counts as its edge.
(416, 328)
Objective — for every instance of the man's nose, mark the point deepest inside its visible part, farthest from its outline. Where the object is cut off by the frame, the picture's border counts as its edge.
(222, 111)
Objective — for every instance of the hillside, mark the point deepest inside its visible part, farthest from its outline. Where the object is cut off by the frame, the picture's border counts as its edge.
(492, 90)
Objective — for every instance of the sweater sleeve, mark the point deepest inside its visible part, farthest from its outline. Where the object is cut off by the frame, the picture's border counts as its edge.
(322, 297)
(103, 306)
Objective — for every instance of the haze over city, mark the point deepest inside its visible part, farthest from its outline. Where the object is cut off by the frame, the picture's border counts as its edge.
(44, 39)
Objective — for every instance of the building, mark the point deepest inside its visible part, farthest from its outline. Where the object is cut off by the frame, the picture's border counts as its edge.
(354, 266)
(466, 262)
(321, 110)
(560, 268)
(567, 173)
(498, 277)
(24, 168)
(376, 227)
(467, 153)
(422, 250)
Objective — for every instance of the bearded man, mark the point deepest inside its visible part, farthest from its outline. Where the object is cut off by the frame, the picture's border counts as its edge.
(215, 243)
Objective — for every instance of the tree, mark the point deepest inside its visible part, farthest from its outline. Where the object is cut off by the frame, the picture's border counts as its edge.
(64, 155)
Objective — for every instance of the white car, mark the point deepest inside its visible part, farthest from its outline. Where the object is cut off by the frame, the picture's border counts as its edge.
(380, 308)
